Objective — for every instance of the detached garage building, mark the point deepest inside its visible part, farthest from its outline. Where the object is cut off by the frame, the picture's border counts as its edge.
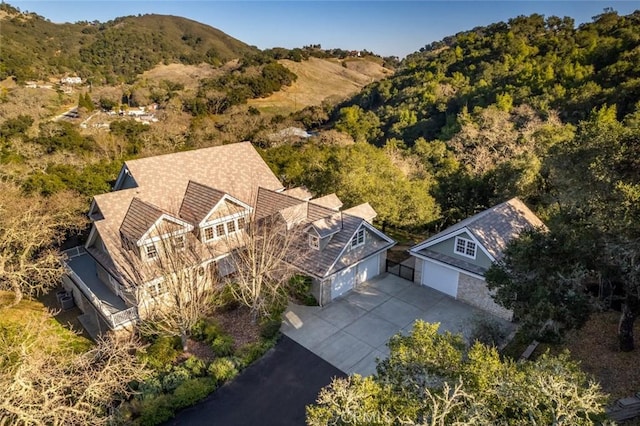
(455, 260)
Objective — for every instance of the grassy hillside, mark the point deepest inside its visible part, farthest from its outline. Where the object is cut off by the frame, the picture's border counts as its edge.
(320, 80)
(118, 50)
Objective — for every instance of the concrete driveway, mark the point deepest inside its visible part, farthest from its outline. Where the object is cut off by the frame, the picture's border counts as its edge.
(351, 332)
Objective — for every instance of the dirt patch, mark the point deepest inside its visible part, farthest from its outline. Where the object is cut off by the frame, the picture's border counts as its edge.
(200, 350)
(239, 325)
(596, 347)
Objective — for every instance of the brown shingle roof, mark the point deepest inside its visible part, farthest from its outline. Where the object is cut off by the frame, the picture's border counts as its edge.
(198, 201)
(330, 201)
(299, 192)
(139, 218)
(162, 181)
(364, 211)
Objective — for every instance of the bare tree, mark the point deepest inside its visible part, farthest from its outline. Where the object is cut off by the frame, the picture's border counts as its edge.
(31, 226)
(45, 381)
(176, 288)
(262, 257)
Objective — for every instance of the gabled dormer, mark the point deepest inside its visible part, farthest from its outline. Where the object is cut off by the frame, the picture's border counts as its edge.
(215, 214)
(320, 231)
(148, 230)
(125, 179)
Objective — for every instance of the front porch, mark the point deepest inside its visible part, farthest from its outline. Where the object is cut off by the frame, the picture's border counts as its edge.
(110, 309)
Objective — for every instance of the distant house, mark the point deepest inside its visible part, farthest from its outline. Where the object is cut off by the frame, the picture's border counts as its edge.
(71, 80)
(455, 260)
(206, 195)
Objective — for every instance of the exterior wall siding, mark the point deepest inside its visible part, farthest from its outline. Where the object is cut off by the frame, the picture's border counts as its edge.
(447, 247)
(103, 275)
(474, 291)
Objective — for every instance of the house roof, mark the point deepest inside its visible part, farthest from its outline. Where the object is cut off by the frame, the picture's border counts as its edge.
(299, 192)
(198, 201)
(162, 182)
(492, 228)
(236, 169)
(364, 211)
(139, 218)
(330, 201)
(338, 227)
(335, 256)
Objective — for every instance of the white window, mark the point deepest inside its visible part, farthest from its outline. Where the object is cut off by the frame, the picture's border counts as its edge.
(231, 227)
(241, 223)
(150, 251)
(208, 234)
(156, 289)
(358, 239)
(314, 242)
(220, 230)
(179, 242)
(465, 247)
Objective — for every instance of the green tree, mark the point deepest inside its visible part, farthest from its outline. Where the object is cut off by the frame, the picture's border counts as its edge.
(361, 125)
(541, 277)
(432, 378)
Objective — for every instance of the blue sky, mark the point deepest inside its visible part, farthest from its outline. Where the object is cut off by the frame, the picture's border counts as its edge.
(384, 27)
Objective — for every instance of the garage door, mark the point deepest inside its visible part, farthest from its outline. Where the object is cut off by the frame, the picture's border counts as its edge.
(343, 282)
(368, 269)
(440, 278)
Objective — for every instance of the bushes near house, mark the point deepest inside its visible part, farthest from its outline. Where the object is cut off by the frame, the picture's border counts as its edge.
(300, 290)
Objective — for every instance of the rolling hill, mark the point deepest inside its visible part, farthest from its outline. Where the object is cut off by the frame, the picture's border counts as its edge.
(118, 50)
(320, 80)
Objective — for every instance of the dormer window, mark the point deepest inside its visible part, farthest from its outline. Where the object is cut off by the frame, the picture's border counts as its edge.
(465, 247)
(208, 234)
(314, 242)
(220, 230)
(179, 242)
(358, 238)
(241, 223)
(150, 251)
(231, 227)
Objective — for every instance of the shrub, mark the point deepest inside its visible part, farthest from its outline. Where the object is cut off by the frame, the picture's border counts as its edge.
(487, 331)
(155, 411)
(222, 369)
(195, 365)
(206, 331)
(270, 328)
(150, 388)
(192, 391)
(175, 378)
(222, 345)
(252, 351)
(163, 352)
(300, 289)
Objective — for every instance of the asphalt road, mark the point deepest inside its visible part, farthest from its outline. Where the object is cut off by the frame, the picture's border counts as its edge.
(272, 391)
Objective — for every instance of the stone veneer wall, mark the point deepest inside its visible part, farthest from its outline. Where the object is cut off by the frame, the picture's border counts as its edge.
(417, 272)
(474, 291)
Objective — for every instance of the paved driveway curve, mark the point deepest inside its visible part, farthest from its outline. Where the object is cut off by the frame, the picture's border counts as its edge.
(351, 332)
(273, 391)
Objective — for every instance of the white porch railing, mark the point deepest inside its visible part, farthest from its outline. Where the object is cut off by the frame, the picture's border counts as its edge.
(114, 319)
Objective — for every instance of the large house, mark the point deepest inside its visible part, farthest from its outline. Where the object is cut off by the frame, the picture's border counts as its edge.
(455, 260)
(209, 195)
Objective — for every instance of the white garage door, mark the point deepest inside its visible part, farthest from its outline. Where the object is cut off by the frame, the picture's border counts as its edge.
(343, 282)
(368, 269)
(440, 278)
